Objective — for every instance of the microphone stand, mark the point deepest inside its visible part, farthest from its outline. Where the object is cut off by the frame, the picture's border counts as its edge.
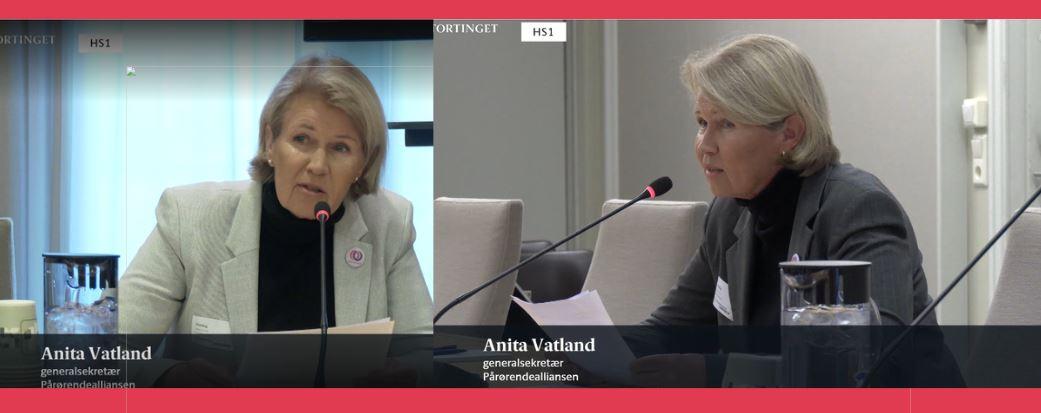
(319, 376)
(928, 309)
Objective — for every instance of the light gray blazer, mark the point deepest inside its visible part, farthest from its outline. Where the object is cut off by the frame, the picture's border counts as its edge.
(843, 213)
(201, 262)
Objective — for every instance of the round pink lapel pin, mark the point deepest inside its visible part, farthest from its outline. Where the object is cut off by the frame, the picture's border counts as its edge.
(355, 257)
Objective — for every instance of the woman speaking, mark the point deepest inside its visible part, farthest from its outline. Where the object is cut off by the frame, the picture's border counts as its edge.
(244, 257)
(765, 147)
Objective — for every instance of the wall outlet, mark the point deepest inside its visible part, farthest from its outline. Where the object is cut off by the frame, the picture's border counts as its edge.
(979, 160)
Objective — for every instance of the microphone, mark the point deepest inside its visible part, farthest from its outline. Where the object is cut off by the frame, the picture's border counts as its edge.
(888, 351)
(657, 188)
(321, 213)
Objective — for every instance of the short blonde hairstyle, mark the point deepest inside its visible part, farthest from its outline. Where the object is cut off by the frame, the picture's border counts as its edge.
(344, 87)
(761, 80)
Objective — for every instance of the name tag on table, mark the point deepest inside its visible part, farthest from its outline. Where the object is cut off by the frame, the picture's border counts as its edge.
(722, 299)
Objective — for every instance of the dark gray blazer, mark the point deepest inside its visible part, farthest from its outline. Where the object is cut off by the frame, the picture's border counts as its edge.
(843, 213)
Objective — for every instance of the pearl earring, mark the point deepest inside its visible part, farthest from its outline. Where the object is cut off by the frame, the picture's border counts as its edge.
(270, 162)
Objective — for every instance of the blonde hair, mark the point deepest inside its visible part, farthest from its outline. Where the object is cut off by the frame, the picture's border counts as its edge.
(343, 86)
(760, 79)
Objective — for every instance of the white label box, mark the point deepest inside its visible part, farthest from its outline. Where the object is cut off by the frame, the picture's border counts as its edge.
(101, 43)
(543, 31)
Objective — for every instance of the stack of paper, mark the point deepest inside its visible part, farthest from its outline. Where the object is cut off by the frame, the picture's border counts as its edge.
(612, 357)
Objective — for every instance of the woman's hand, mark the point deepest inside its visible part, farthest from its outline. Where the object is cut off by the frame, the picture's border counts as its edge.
(669, 370)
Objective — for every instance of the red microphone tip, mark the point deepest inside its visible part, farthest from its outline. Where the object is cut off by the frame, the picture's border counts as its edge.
(651, 191)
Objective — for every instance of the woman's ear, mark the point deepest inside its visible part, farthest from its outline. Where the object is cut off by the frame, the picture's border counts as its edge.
(794, 130)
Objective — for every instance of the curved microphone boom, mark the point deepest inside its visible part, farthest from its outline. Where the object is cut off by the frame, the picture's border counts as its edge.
(657, 188)
(888, 351)
(321, 213)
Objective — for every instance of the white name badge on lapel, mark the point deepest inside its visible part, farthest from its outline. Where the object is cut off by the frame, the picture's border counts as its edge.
(212, 333)
(203, 325)
(722, 299)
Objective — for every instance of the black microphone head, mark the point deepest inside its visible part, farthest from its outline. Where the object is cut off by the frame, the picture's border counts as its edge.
(321, 211)
(659, 187)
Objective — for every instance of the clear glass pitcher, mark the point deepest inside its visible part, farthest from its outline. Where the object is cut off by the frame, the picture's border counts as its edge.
(80, 293)
(826, 314)
(827, 293)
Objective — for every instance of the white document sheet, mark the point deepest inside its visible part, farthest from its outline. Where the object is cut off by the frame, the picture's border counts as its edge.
(612, 357)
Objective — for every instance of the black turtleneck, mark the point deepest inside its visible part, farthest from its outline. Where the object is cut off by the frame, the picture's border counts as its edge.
(289, 290)
(773, 211)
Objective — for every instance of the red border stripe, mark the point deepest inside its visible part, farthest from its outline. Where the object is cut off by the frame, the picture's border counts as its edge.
(975, 400)
(522, 400)
(458, 400)
(532, 9)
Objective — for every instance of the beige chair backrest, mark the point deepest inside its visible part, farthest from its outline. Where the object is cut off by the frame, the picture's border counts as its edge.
(639, 255)
(992, 362)
(474, 240)
(6, 259)
(1015, 299)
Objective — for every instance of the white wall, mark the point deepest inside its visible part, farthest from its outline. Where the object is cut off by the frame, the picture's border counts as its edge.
(499, 123)
(955, 170)
(1033, 72)
(1033, 38)
(978, 281)
(1012, 81)
(881, 80)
